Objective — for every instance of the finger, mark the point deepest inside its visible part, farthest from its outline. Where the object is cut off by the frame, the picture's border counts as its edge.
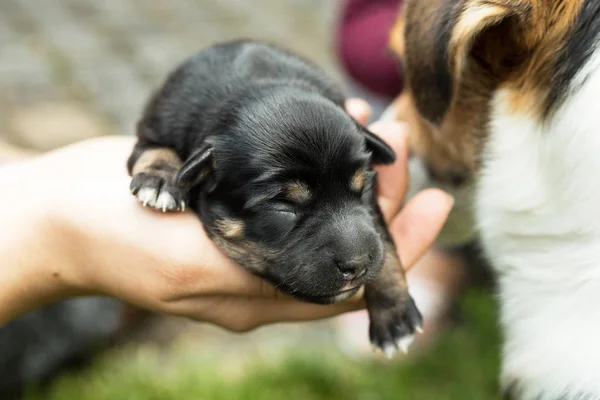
(206, 269)
(414, 229)
(226, 279)
(392, 180)
(359, 109)
(245, 313)
(419, 223)
(230, 278)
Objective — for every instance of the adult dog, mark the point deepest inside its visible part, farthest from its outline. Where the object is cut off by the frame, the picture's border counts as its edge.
(502, 96)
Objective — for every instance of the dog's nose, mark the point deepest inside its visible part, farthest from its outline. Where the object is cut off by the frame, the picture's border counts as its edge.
(354, 268)
(449, 175)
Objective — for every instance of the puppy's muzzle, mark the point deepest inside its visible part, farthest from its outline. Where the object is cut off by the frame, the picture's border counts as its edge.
(354, 268)
(355, 246)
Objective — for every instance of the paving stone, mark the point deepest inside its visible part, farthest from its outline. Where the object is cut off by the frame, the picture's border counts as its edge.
(107, 56)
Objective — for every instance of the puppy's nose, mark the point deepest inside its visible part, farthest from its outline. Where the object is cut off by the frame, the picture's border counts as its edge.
(354, 268)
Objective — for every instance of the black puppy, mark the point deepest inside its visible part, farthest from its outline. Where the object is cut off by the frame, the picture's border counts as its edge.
(256, 141)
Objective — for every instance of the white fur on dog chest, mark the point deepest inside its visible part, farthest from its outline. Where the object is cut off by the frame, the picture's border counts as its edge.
(538, 212)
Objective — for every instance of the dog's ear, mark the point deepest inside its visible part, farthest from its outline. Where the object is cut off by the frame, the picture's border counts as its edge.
(197, 168)
(495, 35)
(446, 44)
(381, 152)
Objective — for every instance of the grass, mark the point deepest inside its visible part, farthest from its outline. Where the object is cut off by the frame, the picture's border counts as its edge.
(462, 365)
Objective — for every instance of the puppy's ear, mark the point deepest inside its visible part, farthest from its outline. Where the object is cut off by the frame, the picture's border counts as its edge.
(197, 168)
(381, 152)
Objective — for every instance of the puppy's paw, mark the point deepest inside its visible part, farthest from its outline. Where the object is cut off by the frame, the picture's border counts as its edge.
(394, 324)
(157, 192)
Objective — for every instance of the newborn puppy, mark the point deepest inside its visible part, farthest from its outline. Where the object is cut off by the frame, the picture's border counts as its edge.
(257, 143)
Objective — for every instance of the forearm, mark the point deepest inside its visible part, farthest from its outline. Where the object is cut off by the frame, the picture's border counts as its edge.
(31, 264)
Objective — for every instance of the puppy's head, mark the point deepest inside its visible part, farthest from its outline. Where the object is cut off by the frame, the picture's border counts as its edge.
(460, 58)
(286, 188)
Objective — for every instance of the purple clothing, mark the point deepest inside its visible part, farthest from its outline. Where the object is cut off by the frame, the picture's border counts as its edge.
(362, 39)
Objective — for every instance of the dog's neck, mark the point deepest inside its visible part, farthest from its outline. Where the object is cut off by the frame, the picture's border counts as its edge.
(538, 186)
(538, 211)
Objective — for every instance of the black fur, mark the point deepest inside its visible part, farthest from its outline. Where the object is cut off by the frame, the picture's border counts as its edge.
(514, 391)
(41, 343)
(434, 103)
(574, 56)
(247, 118)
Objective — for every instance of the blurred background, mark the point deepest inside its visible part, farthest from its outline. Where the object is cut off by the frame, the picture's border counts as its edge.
(75, 69)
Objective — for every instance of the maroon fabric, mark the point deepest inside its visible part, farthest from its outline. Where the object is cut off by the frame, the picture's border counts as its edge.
(362, 39)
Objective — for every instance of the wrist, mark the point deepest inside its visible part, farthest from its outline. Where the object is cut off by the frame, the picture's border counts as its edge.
(35, 269)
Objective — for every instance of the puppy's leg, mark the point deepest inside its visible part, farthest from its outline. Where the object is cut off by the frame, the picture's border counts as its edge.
(153, 171)
(393, 313)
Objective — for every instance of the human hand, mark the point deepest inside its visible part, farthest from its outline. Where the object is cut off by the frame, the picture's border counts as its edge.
(110, 245)
(422, 218)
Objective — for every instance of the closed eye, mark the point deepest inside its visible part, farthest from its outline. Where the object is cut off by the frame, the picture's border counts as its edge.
(284, 218)
(283, 207)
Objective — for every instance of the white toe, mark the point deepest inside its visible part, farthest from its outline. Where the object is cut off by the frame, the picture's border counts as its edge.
(147, 196)
(405, 342)
(389, 350)
(166, 202)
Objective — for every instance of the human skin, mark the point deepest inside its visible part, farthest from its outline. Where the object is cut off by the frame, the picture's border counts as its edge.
(71, 228)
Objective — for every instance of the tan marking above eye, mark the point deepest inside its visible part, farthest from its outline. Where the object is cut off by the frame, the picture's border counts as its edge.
(230, 228)
(297, 192)
(357, 183)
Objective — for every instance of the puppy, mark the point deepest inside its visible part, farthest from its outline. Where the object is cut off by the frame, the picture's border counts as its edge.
(256, 141)
(502, 96)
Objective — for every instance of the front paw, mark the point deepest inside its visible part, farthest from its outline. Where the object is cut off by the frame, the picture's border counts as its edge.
(158, 192)
(394, 322)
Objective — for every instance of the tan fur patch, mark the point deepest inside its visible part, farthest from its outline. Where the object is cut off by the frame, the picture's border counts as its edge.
(391, 281)
(357, 183)
(230, 228)
(297, 192)
(248, 254)
(156, 159)
(453, 145)
(515, 43)
(548, 33)
(392, 267)
(396, 37)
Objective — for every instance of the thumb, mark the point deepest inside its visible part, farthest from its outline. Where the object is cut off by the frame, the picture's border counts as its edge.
(419, 223)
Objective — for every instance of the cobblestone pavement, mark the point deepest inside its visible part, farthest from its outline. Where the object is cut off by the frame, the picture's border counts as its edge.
(97, 61)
